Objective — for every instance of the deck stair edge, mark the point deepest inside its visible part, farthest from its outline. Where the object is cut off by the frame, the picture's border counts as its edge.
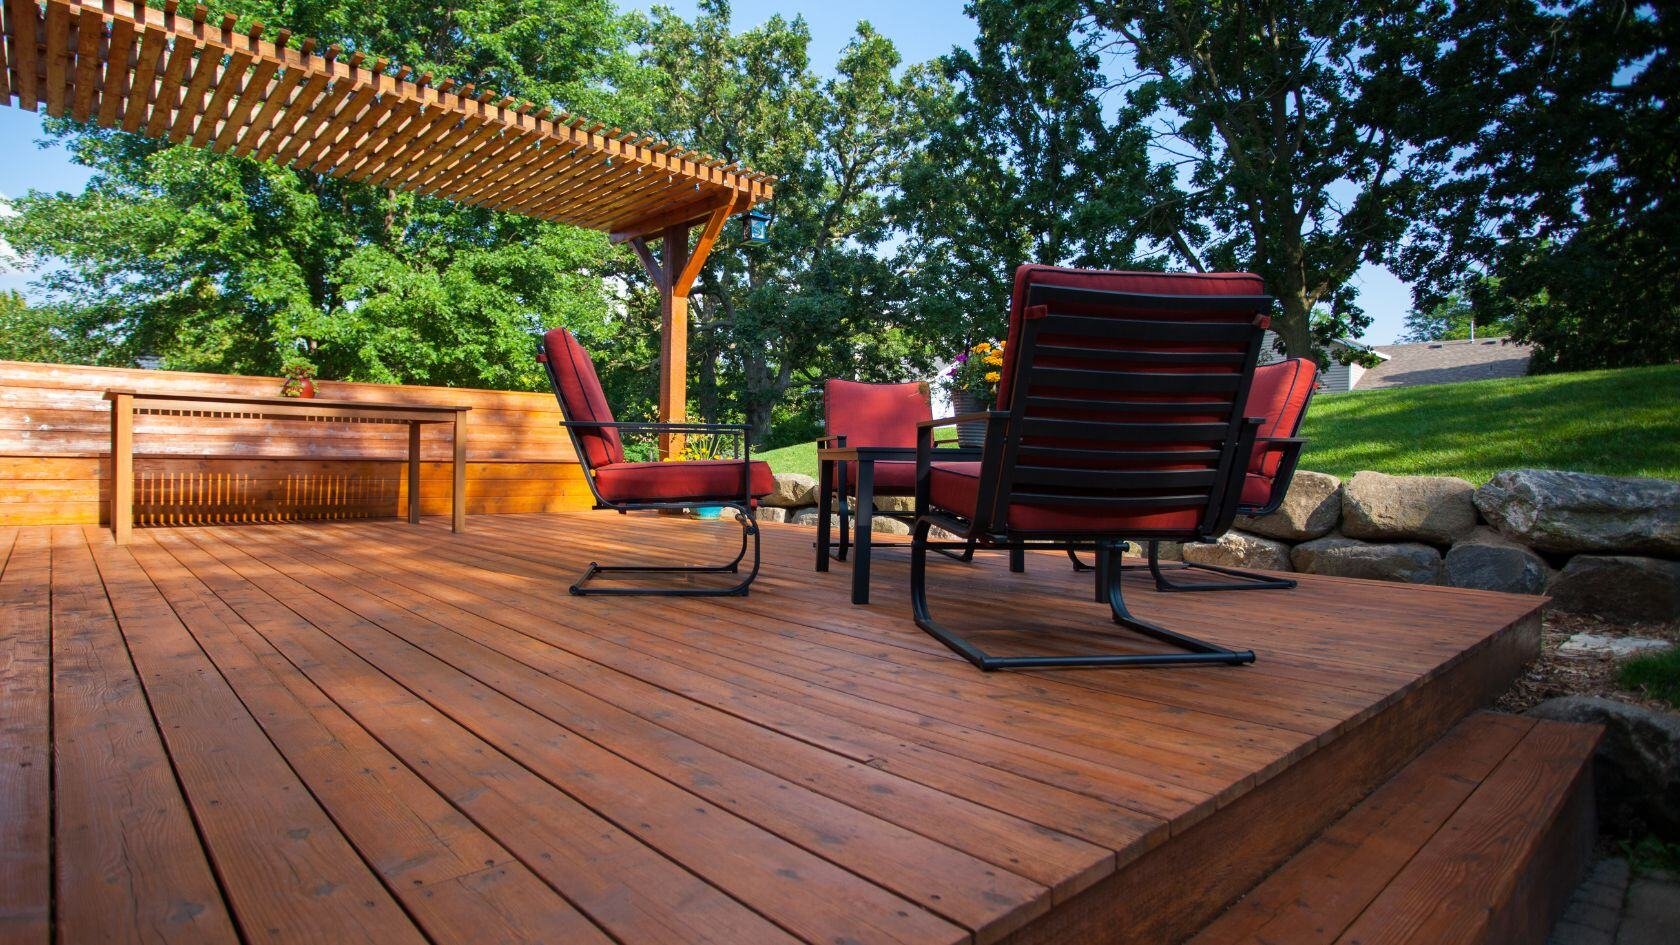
(1477, 840)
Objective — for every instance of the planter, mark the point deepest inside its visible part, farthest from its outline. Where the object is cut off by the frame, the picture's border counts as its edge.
(973, 432)
(300, 387)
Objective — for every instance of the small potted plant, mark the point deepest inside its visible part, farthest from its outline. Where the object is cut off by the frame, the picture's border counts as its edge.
(299, 375)
(972, 382)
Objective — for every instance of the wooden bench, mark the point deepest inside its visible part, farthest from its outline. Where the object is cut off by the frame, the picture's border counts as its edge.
(125, 404)
(1478, 840)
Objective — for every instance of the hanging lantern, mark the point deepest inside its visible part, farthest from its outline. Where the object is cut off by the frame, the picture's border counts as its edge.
(756, 228)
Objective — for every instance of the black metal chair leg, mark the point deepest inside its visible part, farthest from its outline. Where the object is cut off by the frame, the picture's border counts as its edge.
(749, 531)
(1195, 651)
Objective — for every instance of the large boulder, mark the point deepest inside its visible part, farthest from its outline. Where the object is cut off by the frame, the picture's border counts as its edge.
(808, 516)
(1572, 512)
(1310, 509)
(1487, 560)
(1638, 781)
(1236, 549)
(884, 525)
(895, 503)
(1619, 587)
(792, 491)
(1340, 556)
(1433, 509)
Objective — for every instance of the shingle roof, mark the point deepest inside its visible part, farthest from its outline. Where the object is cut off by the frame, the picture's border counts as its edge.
(1447, 362)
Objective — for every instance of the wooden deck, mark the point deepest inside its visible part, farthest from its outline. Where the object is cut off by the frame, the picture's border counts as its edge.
(367, 731)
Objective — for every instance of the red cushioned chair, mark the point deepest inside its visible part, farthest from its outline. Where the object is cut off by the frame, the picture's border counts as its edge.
(1279, 397)
(857, 413)
(1122, 414)
(624, 486)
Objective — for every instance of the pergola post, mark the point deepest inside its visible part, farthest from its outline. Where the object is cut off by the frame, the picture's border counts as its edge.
(673, 339)
(674, 275)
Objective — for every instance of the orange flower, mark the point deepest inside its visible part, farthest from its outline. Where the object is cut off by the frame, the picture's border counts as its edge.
(992, 377)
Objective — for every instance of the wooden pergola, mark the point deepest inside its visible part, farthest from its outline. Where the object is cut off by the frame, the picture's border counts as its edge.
(179, 75)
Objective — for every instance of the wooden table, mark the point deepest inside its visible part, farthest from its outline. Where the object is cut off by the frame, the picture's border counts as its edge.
(125, 404)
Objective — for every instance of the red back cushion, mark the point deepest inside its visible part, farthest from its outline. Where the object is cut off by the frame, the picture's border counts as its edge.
(581, 397)
(1279, 397)
(876, 414)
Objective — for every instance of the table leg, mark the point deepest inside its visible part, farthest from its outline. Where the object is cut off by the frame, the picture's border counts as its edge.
(414, 474)
(122, 467)
(458, 491)
(825, 504)
(1017, 560)
(863, 514)
(842, 489)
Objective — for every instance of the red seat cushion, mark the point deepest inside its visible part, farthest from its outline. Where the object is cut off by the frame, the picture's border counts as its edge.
(581, 397)
(1279, 397)
(891, 478)
(955, 487)
(697, 481)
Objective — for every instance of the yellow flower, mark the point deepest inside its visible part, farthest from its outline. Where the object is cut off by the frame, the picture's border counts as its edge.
(992, 377)
(982, 348)
(995, 357)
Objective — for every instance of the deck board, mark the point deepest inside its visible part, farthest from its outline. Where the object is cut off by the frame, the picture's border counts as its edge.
(442, 736)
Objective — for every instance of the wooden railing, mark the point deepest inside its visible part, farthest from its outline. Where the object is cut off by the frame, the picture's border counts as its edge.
(55, 440)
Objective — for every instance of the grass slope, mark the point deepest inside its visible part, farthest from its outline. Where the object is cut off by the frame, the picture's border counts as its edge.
(1621, 422)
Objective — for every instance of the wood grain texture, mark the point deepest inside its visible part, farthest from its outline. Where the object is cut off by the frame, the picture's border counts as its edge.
(501, 758)
(55, 437)
(129, 864)
(25, 739)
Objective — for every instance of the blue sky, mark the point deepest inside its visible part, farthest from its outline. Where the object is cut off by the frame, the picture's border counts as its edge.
(921, 29)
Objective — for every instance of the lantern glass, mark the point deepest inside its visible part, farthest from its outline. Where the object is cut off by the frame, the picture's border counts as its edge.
(756, 230)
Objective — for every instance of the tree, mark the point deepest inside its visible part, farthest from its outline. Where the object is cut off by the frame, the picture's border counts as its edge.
(819, 300)
(1452, 318)
(1021, 163)
(1556, 128)
(1280, 117)
(226, 264)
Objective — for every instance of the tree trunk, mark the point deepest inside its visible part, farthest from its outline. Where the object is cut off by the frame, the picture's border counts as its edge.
(1293, 325)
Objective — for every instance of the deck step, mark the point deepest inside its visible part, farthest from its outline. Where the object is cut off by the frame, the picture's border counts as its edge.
(1478, 840)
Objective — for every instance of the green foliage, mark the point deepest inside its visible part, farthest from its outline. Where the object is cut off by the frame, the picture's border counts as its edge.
(1453, 318)
(1617, 422)
(1025, 160)
(1557, 128)
(770, 322)
(29, 333)
(1280, 116)
(224, 264)
(1655, 677)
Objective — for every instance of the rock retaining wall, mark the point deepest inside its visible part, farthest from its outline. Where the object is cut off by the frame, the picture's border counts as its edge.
(1603, 545)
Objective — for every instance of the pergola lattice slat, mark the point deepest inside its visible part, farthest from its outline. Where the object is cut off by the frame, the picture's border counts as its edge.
(170, 74)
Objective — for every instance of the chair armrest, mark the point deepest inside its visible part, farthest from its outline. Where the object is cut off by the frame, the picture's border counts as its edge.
(961, 418)
(838, 439)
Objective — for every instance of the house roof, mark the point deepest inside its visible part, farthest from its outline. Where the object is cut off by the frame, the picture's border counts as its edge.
(189, 78)
(1446, 362)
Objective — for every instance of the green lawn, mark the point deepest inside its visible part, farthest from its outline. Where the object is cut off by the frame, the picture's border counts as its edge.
(1623, 422)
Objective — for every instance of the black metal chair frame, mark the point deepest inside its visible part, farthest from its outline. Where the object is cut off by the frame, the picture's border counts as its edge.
(1003, 480)
(1291, 447)
(743, 506)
